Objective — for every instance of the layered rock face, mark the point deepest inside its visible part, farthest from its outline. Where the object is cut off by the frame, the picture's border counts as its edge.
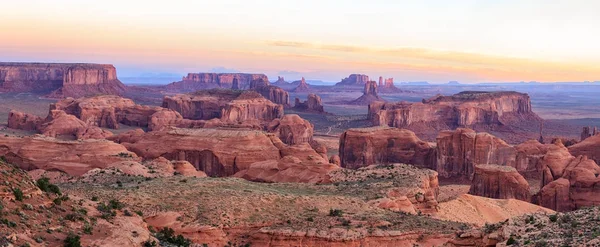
(60, 79)
(354, 80)
(216, 152)
(459, 151)
(273, 93)
(369, 95)
(499, 182)
(72, 157)
(313, 103)
(199, 81)
(383, 145)
(460, 110)
(292, 129)
(226, 105)
(302, 87)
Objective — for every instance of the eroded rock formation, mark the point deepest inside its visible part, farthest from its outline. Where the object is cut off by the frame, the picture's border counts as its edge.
(369, 95)
(589, 147)
(273, 93)
(302, 87)
(313, 103)
(499, 182)
(383, 145)
(23, 121)
(470, 108)
(60, 80)
(289, 169)
(292, 129)
(57, 123)
(72, 157)
(459, 151)
(199, 81)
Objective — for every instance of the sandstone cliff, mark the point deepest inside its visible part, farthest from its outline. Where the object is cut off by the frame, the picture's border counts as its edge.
(382, 145)
(198, 81)
(465, 109)
(499, 182)
(60, 80)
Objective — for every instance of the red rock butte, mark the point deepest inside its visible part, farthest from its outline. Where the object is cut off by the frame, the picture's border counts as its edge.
(198, 81)
(60, 80)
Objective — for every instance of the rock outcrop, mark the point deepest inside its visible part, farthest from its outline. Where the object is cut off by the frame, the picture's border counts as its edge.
(292, 129)
(313, 103)
(23, 121)
(289, 169)
(273, 93)
(465, 109)
(354, 80)
(369, 95)
(302, 87)
(383, 145)
(589, 147)
(568, 182)
(199, 81)
(60, 80)
(499, 182)
(388, 86)
(585, 132)
(72, 157)
(226, 105)
(459, 151)
(216, 152)
(57, 123)
(280, 81)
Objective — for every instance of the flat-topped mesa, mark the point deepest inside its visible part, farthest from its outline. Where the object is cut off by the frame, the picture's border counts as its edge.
(312, 104)
(465, 109)
(224, 104)
(384, 145)
(499, 182)
(369, 95)
(354, 80)
(302, 87)
(60, 80)
(198, 81)
(273, 93)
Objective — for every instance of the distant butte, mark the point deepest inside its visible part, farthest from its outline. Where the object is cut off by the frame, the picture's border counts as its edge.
(59, 80)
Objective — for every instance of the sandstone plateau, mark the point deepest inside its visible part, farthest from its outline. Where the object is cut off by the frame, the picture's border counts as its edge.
(465, 109)
(59, 80)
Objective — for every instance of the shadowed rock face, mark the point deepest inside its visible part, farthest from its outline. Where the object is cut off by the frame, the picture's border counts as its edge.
(499, 182)
(460, 110)
(198, 81)
(60, 80)
(381, 145)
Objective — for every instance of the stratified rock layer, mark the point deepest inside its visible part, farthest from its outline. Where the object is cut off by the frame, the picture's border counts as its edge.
(60, 79)
(499, 182)
(382, 145)
(464, 109)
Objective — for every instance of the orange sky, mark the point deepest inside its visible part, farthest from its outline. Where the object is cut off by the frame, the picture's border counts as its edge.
(177, 40)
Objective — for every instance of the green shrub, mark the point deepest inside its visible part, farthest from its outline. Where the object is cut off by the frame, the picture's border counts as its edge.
(168, 235)
(553, 218)
(336, 212)
(72, 240)
(511, 241)
(18, 193)
(45, 186)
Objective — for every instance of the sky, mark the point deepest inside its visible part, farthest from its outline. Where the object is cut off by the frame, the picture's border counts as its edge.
(437, 40)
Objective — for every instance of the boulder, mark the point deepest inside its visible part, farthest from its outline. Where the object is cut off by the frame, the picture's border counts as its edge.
(499, 182)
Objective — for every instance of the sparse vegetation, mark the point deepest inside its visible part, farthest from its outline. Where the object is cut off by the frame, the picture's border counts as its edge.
(168, 235)
(336, 212)
(45, 186)
(72, 240)
(18, 193)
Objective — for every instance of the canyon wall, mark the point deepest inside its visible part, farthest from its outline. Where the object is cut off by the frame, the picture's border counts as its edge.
(60, 80)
